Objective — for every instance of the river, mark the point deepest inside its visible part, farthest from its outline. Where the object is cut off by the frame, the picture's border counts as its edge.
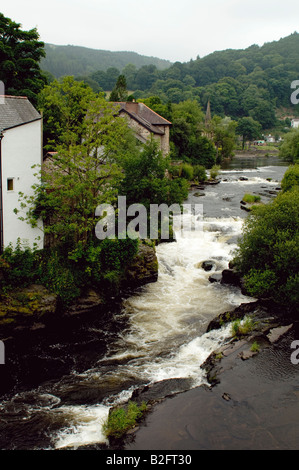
(160, 332)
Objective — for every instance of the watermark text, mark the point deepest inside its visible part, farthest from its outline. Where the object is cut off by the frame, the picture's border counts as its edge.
(2, 353)
(295, 94)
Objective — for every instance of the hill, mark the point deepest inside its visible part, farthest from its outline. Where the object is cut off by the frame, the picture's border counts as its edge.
(76, 60)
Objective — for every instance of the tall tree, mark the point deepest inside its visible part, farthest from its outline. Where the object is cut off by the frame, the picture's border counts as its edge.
(249, 129)
(20, 54)
(81, 175)
(64, 104)
(119, 92)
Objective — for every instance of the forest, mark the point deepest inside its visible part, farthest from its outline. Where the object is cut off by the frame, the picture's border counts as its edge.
(254, 82)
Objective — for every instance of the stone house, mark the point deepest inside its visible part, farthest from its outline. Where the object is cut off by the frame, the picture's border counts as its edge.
(145, 122)
(20, 149)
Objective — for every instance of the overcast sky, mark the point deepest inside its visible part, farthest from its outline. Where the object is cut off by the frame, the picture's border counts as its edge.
(177, 30)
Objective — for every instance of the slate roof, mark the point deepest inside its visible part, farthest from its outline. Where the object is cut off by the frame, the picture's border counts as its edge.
(145, 116)
(16, 111)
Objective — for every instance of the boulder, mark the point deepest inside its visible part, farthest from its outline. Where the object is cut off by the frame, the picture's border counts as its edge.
(143, 269)
(208, 265)
(230, 276)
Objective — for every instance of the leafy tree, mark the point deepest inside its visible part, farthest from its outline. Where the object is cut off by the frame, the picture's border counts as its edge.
(186, 135)
(64, 104)
(289, 150)
(20, 54)
(268, 254)
(224, 136)
(145, 181)
(119, 92)
(291, 178)
(249, 129)
(82, 174)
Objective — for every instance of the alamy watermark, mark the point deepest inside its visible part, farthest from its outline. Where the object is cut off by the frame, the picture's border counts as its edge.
(137, 222)
(295, 354)
(2, 353)
(295, 94)
(2, 92)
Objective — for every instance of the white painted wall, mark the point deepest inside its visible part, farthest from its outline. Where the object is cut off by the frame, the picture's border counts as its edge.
(21, 148)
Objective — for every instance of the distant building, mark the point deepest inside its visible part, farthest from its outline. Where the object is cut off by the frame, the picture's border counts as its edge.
(20, 149)
(295, 123)
(145, 122)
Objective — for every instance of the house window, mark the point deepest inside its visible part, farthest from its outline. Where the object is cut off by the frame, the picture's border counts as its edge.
(10, 184)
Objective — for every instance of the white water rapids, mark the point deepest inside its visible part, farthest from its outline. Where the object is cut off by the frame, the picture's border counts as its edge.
(165, 337)
(168, 320)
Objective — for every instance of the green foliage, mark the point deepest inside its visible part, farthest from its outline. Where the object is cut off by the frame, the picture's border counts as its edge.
(252, 82)
(145, 180)
(291, 178)
(20, 54)
(64, 104)
(249, 129)
(242, 327)
(289, 150)
(186, 135)
(121, 420)
(268, 253)
(83, 173)
(214, 172)
(119, 92)
(251, 198)
(18, 266)
(199, 173)
(76, 60)
(117, 253)
(187, 171)
(255, 347)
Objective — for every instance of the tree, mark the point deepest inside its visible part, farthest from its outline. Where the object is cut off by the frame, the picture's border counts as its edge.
(186, 135)
(249, 129)
(224, 137)
(268, 254)
(20, 54)
(289, 150)
(145, 180)
(82, 174)
(64, 104)
(119, 92)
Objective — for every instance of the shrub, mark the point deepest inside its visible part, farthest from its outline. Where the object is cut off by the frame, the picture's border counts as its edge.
(187, 171)
(251, 198)
(120, 420)
(242, 327)
(268, 253)
(18, 265)
(199, 173)
(214, 171)
(291, 178)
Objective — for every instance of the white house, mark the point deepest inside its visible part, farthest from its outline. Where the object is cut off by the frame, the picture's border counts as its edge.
(20, 149)
(295, 123)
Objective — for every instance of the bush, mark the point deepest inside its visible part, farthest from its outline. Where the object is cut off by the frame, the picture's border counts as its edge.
(268, 253)
(18, 265)
(120, 420)
(187, 171)
(199, 173)
(291, 178)
(214, 171)
(251, 198)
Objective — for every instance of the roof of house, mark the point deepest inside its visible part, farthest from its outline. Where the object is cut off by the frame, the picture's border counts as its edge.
(16, 111)
(144, 116)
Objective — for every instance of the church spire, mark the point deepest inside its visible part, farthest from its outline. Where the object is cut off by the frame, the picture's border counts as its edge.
(208, 114)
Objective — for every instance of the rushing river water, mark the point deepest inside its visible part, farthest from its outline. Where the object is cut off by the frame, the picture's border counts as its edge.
(160, 333)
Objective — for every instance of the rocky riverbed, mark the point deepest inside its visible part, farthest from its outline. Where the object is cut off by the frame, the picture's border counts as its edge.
(250, 401)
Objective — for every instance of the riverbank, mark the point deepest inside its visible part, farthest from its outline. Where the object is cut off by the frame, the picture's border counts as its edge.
(250, 403)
